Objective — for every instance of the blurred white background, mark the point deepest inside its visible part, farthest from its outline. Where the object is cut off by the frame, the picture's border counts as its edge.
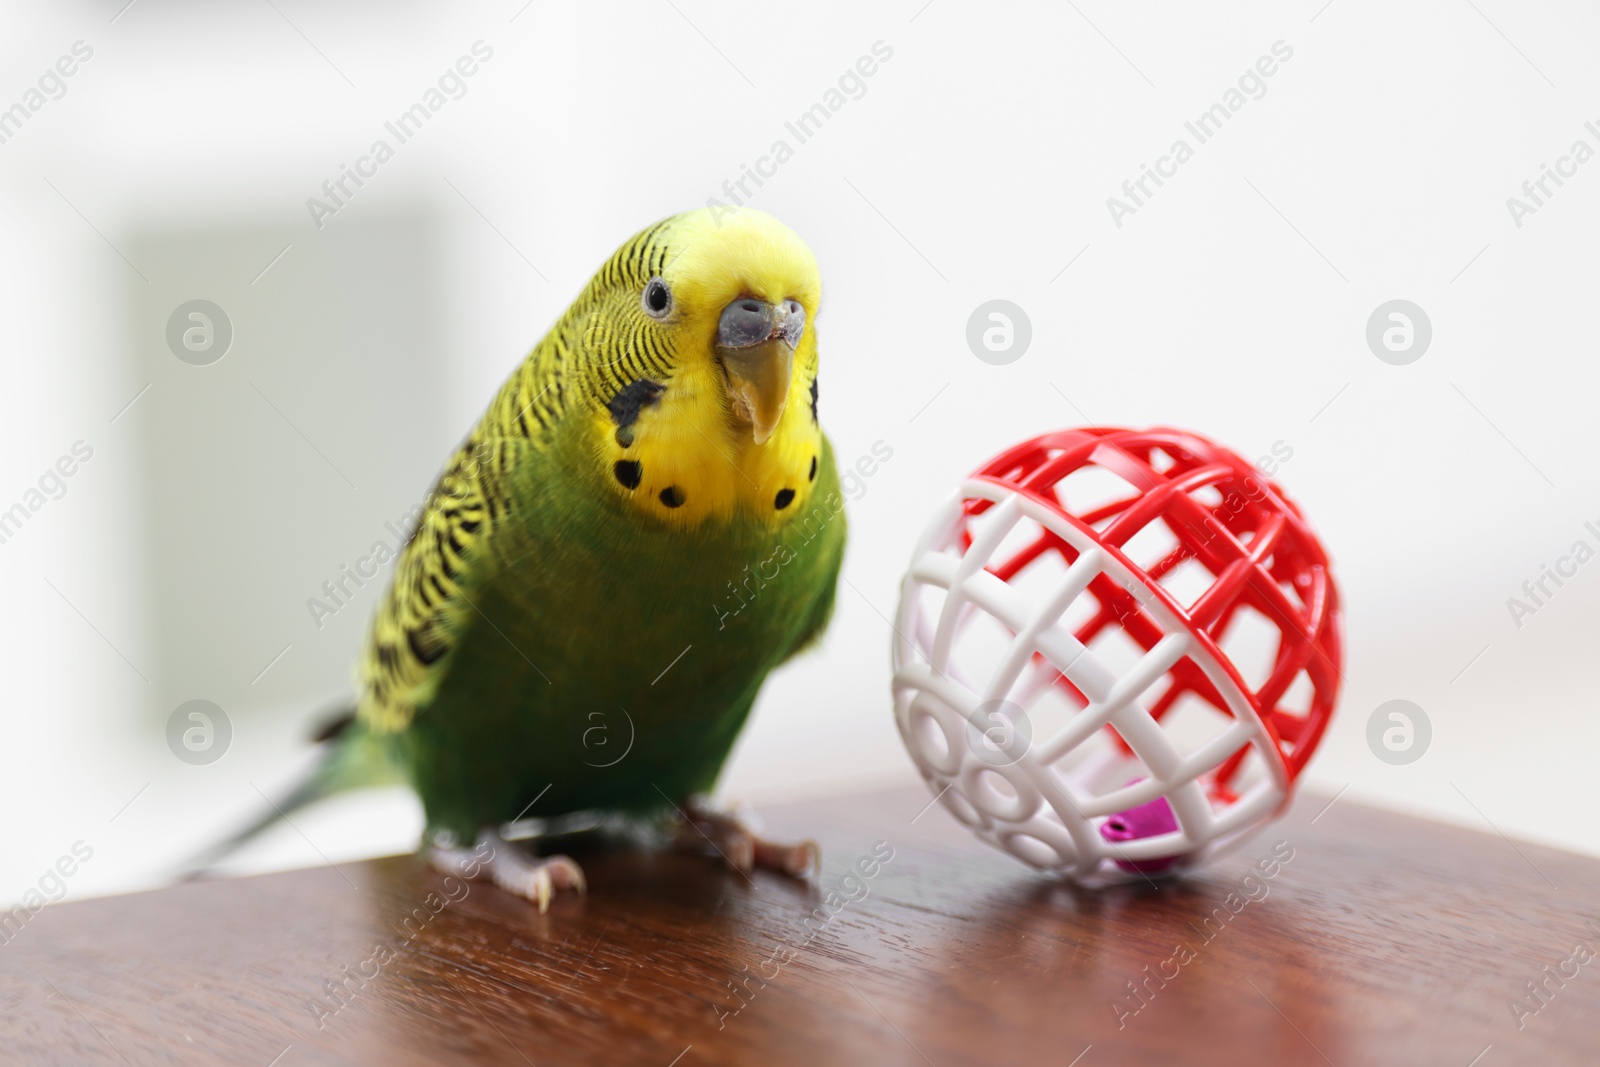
(976, 164)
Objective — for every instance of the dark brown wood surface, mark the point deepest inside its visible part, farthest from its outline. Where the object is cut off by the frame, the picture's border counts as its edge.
(1383, 940)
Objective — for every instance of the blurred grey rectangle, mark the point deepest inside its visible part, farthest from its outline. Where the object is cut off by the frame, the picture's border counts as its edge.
(290, 429)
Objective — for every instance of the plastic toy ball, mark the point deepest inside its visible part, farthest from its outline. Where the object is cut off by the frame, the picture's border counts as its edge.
(1115, 651)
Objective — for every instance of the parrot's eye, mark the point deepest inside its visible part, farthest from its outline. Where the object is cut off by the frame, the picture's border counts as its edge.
(657, 299)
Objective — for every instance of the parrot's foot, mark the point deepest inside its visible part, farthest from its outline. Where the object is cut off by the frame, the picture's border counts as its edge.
(741, 848)
(511, 868)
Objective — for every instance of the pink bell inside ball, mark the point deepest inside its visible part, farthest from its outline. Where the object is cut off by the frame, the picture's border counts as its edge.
(1147, 820)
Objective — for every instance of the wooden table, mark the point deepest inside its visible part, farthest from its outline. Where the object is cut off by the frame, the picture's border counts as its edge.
(1383, 940)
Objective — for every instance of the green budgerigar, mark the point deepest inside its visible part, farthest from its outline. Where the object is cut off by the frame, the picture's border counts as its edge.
(645, 522)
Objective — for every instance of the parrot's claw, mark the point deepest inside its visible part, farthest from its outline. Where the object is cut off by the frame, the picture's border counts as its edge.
(538, 879)
(503, 862)
(742, 849)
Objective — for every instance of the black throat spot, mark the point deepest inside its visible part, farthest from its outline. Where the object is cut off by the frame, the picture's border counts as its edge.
(632, 398)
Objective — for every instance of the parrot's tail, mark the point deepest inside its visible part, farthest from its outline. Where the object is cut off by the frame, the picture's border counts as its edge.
(350, 757)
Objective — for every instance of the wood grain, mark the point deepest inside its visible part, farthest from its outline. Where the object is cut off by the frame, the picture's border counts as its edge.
(1383, 940)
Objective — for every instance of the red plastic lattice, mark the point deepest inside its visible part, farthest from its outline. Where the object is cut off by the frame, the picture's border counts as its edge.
(1230, 519)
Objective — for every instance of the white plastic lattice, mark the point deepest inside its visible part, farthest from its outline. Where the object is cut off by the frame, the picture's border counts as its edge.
(1035, 738)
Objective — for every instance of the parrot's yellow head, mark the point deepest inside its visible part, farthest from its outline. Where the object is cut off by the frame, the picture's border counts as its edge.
(698, 339)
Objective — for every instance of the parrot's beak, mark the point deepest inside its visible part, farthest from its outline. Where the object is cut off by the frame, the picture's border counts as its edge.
(755, 345)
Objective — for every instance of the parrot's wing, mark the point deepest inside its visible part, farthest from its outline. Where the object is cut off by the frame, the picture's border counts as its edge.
(429, 604)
